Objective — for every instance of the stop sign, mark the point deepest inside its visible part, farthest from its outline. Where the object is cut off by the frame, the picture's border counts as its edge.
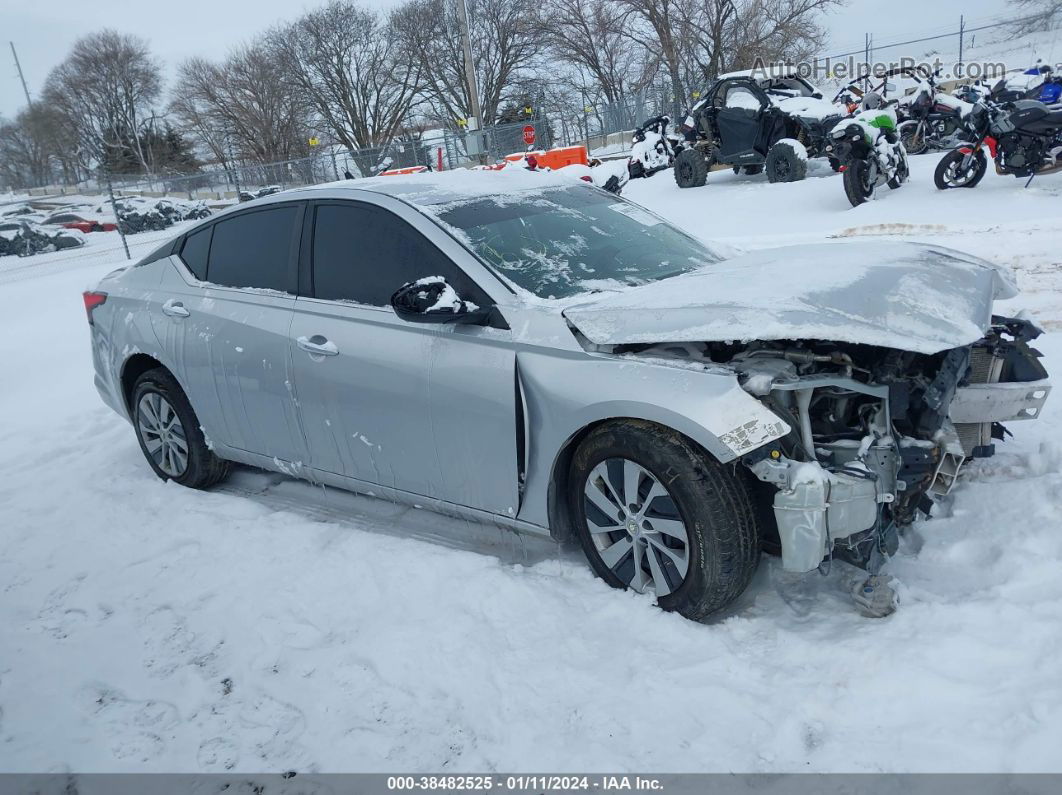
(529, 135)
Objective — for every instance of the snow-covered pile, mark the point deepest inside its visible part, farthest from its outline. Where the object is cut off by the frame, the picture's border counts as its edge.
(141, 214)
(23, 237)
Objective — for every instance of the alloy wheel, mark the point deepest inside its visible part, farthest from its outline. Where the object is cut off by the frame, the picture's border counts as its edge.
(636, 527)
(162, 433)
(957, 176)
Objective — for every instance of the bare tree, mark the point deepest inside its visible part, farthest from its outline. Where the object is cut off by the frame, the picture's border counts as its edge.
(731, 34)
(246, 104)
(25, 157)
(587, 36)
(505, 43)
(659, 25)
(104, 88)
(343, 59)
(1036, 15)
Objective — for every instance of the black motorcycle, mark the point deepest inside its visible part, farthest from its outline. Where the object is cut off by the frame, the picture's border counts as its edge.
(1023, 139)
(932, 121)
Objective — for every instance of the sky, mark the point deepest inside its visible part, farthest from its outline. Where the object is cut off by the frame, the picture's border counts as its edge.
(43, 32)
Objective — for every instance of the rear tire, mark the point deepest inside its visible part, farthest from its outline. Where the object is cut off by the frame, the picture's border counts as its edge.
(947, 174)
(708, 503)
(691, 168)
(856, 186)
(169, 433)
(785, 163)
(903, 173)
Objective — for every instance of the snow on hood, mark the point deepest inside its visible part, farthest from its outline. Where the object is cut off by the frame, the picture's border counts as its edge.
(908, 296)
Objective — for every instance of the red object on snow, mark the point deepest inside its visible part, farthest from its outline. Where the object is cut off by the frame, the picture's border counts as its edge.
(396, 172)
(529, 134)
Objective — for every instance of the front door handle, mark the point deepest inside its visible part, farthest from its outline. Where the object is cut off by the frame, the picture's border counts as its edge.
(175, 309)
(317, 345)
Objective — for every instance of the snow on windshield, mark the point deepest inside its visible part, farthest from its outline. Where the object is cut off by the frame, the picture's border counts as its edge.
(570, 240)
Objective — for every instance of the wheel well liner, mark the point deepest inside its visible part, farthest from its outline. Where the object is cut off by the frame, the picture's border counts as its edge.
(134, 367)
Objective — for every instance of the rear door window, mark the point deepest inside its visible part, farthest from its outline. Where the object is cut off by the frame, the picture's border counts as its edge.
(254, 250)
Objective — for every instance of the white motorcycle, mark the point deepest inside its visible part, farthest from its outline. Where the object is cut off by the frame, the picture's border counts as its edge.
(870, 151)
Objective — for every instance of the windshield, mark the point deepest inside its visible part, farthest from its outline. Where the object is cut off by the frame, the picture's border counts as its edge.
(565, 241)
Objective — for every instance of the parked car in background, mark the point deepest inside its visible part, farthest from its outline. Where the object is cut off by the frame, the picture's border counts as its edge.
(83, 223)
(526, 349)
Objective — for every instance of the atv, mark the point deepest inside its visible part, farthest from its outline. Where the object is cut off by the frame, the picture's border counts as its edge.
(756, 123)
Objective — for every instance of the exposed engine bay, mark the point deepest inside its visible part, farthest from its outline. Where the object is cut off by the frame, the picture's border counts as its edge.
(876, 433)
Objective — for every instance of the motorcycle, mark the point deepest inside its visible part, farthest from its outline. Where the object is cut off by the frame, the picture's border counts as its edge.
(1023, 139)
(654, 148)
(933, 120)
(870, 151)
(1039, 83)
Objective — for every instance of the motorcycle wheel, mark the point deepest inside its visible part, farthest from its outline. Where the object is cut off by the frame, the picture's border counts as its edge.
(903, 172)
(857, 182)
(635, 168)
(913, 136)
(950, 174)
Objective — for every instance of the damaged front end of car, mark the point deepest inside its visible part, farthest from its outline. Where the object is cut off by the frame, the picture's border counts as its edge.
(878, 433)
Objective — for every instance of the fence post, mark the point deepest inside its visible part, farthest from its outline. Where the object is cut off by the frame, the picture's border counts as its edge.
(114, 209)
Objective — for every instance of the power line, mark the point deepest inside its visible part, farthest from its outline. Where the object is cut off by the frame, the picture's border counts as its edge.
(963, 31)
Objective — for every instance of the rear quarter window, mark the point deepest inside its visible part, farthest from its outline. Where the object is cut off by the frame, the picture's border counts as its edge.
(195, 250)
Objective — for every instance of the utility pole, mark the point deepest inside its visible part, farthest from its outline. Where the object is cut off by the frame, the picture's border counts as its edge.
(18, 66)
(475, 124)
(962, 33)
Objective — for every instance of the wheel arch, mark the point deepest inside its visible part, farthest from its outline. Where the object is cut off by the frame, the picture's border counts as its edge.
(134, 367)
(561, 526)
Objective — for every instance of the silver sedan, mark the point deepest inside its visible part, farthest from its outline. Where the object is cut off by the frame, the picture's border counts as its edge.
(528, 350)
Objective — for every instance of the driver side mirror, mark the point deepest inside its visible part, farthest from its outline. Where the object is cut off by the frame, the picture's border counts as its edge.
(432, 300)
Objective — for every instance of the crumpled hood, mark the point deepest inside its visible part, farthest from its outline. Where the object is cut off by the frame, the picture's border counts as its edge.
(908, 296)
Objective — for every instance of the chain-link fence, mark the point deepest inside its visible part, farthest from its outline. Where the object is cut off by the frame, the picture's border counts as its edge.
(331, 163)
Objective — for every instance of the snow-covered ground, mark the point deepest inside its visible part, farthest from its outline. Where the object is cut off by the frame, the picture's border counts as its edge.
(269, 625)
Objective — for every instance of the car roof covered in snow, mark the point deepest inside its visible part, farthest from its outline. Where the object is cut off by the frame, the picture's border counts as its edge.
(441, 187)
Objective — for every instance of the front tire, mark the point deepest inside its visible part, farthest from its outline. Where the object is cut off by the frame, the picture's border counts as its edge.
(857, 185)
(787, 161)
(691, 168)
(655, 513)
(950, 173)
(169, 433)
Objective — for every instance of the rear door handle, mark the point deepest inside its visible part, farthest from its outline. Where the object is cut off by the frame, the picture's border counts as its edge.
(175, 309)
(317, 345)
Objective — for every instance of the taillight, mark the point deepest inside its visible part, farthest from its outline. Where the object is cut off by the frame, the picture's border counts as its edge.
(92, 300)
